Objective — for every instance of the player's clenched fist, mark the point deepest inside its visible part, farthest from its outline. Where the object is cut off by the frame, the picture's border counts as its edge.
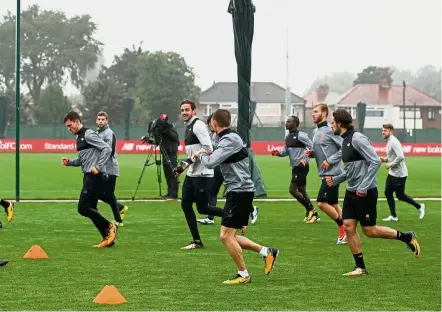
(65, 161)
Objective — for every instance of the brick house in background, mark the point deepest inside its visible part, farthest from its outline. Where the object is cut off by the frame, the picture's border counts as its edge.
(269, 98)
(384, 105)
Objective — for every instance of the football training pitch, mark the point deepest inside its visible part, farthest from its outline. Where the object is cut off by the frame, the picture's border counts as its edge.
(152, 273)
(43, 177)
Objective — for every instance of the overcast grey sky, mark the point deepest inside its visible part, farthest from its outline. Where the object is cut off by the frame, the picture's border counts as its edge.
(324, 35)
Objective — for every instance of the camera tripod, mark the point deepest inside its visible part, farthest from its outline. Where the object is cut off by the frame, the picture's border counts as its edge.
(158, 160)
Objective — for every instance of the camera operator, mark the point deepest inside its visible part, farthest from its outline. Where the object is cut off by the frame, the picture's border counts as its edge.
(164, 134)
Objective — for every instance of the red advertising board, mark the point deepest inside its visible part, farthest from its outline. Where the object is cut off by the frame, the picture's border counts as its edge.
(136, 147)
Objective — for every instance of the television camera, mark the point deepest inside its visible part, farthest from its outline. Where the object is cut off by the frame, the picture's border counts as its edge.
(156, 129)
(154, 136)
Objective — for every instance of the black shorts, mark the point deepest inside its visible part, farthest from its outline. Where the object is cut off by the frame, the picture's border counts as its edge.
(363, 209)
(196, 190)
(299, 175)
(217, 182)
(327, 194)
(237, 209)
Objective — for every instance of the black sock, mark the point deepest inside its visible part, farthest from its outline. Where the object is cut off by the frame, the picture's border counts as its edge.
(213, 201)
(210, 217)
(359, 260)
(404, 237)
(339, 221)
(4, 203)
(210, 211)
(307, 205)
(120, 206)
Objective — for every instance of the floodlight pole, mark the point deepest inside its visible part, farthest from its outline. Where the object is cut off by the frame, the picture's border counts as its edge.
(288, 104)
(17, 102)
(404, 85)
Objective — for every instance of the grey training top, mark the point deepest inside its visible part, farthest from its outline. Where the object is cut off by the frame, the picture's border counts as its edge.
(296, 142)
(233, 158)
(108, 136)
(327, 146)
(93, 152)
(396, 158)
(361, 163)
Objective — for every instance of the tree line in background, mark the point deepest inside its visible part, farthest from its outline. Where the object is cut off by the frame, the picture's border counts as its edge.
(57, 49)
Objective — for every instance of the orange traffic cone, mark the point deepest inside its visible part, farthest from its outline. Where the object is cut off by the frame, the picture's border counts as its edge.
(109, 295)
(36, 252)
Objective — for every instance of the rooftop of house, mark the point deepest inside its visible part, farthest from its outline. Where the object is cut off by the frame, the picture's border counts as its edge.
(375, 95)
(316, 97)
(372, 94)
(260, 92)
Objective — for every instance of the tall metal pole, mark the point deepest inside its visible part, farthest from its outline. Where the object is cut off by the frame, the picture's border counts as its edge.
(414, 130)
(403, 104)
(17, 102)
(288, 97)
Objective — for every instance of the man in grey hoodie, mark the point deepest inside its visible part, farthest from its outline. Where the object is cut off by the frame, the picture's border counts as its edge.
(361, 163)
(93, 154)
(110, 178)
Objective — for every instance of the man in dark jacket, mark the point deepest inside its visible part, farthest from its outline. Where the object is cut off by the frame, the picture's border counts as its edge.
(164, 134)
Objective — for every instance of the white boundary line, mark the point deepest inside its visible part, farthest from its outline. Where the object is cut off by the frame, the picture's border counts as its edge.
(221, 200)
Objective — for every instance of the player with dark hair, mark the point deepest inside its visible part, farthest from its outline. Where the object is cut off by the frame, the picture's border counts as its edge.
(112, 170)
(397, 174)
(296, 143)
(217, 182)
(232, 157)
(198, 179)
(93, 154)
(361, 163)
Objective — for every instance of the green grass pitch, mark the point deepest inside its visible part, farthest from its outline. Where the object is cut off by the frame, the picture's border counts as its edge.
(152, 273)
(43, 177)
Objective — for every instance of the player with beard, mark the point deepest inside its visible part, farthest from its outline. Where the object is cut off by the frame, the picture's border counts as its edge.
(198, 179)
(112, 169)
(397, 175)
(361, 164)
(327, 152)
